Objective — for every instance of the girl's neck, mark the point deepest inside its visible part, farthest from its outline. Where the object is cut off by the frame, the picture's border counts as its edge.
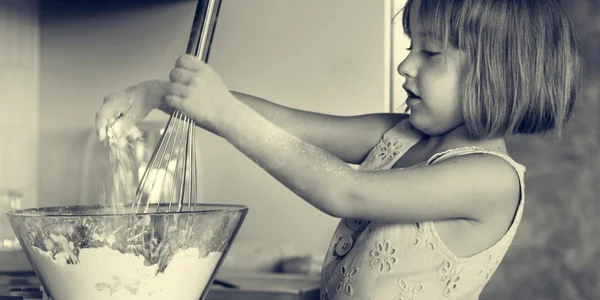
(459, 137)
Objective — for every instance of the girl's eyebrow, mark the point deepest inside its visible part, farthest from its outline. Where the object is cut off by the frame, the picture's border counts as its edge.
(429, 37)
(425, 33)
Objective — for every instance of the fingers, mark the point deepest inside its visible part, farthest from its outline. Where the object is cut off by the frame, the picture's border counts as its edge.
(113, 108)
(178, 90)
(101, 123)
(183, 76)
(174, 101)
(104, 118)
(122, 110)
(188, 69)
(121, 126)
(190, 63)
(176, 93)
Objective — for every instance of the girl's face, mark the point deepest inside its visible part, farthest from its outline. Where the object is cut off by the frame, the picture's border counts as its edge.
(433, 76)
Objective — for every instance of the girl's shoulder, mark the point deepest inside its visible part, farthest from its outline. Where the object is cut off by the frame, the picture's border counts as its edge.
(477, 150)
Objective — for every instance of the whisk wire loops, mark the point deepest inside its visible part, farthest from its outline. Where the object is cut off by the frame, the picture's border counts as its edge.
(171, 171)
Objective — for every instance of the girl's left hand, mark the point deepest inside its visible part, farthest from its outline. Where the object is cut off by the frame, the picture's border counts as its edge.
(199, 92)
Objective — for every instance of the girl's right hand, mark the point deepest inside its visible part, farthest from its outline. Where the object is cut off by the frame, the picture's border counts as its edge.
(123, 109)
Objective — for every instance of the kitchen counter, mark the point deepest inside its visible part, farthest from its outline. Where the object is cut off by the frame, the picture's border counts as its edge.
(260, 286)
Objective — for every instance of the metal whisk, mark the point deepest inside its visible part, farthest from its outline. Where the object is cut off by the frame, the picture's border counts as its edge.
(176, 149)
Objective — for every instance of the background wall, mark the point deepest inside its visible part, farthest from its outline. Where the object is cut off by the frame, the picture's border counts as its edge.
(19, 88)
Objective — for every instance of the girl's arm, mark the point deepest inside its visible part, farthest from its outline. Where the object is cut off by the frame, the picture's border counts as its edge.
(470, 186)
(350, 138)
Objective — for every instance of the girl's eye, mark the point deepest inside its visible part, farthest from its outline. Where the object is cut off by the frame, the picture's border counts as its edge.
(430, 53)
(427, 53)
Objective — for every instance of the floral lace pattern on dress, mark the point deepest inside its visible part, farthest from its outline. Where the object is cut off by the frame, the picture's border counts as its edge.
(407, 261)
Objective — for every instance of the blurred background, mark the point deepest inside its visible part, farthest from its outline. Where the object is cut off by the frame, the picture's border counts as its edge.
(58, 58)
(556, 254)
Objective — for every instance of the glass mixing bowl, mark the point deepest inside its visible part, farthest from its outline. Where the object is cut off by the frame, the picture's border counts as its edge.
(96, 252)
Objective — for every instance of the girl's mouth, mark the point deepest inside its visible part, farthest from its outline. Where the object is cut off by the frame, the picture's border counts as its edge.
(410, 93)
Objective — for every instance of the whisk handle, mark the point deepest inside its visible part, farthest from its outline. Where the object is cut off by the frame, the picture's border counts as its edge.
(203, 27)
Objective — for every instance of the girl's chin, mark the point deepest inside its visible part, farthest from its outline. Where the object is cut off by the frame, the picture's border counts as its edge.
(413, 119)
(420, 123)
(426, 125)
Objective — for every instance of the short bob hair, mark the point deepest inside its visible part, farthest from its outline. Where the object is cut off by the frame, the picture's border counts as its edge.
(524, 71)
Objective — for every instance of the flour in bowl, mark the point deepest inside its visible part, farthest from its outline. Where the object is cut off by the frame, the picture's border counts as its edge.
(125, 277)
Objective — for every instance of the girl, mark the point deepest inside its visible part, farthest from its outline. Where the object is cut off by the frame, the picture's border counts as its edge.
(436, 201)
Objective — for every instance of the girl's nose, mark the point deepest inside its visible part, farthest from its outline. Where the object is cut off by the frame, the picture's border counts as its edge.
(407, 68)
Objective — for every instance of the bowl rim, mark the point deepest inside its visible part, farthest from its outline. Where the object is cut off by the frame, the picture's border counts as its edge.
(59, 211)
